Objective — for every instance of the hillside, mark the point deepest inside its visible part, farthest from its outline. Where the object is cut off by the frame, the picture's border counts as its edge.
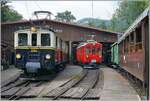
(94, 22)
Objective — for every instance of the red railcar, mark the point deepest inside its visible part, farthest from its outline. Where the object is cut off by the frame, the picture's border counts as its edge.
(89, 52)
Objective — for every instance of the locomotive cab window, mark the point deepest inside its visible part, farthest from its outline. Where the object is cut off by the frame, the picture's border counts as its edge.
(45, 39)
(22, 39)
(34, 39)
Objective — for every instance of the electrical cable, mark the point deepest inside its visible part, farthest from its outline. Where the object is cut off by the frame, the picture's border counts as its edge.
(26, 6)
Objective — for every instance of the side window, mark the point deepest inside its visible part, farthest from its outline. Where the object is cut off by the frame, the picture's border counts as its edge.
(127, 44)
(132, 45)
(22, 39)
(45, 39)
(122, 47)
(138, 39)
(60, 42)
(34, 39)
(56, 42)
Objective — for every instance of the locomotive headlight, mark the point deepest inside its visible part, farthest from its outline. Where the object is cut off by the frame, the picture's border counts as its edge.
(47, 56)
(18, 56)
(33, 29)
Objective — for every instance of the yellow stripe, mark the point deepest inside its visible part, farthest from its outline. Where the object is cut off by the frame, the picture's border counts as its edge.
(25, 47)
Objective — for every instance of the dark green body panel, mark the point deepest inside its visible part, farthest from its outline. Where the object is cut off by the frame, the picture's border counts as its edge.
(114, 54)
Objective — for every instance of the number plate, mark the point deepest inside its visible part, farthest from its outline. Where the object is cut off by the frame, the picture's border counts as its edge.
(93, 61)
(33, 50)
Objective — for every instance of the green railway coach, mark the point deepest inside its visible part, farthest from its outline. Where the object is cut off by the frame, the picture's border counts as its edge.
(114, 53)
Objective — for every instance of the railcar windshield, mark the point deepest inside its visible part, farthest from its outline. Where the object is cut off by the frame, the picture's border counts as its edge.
(99, 50)
(93, 50)
(87, 50)
(22, 39)
(45, 39)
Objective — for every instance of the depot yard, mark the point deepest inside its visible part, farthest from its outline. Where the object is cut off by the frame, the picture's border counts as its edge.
(53, 60)
(73, 82)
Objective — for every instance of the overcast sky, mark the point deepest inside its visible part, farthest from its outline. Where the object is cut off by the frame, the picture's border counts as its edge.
(80, 9)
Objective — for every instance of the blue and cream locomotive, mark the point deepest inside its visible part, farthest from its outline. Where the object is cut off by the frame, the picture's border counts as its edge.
(37, 50)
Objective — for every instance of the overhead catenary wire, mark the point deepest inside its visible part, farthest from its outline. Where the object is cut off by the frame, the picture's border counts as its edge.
(29, 17)
(92, 8)
(26, 6)
(39, 9)
(38, 5)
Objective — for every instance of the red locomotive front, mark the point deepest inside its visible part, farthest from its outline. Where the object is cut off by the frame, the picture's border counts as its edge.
(89, 53)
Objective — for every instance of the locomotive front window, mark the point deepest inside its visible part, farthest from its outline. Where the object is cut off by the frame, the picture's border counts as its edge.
(34, 39)
(45, 39)
(22, 39)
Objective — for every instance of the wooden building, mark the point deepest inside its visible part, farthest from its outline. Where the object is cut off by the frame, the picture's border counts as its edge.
(72, 33)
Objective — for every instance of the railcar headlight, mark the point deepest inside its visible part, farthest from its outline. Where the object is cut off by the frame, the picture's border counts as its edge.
(18, 56)
(87, 56)
(47, 56)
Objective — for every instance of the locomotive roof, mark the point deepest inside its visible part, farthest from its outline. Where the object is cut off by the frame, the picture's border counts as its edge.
(135, 24)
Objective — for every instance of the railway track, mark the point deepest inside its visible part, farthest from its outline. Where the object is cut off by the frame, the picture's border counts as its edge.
(80, 87)
(11, 80)
(15, 90)
(87, 84)
(24, 89)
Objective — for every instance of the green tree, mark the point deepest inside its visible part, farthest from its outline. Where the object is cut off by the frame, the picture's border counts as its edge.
(127, 12)
(8, 14)
(65, 17)
(91, 24)
(102, 24)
